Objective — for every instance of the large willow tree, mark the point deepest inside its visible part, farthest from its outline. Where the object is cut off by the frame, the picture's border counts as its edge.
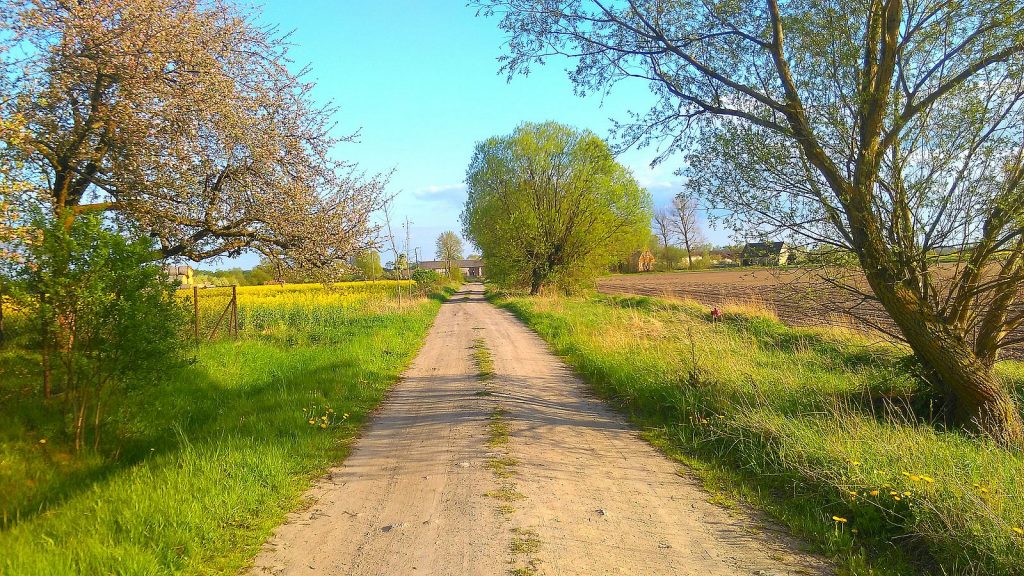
(549, 205)
(180, 117)
(887, 129)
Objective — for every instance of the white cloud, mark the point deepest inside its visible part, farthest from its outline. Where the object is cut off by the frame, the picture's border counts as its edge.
(454, 194)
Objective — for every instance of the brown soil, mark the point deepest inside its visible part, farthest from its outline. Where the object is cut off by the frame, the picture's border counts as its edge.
(797, 297)
(429, 489)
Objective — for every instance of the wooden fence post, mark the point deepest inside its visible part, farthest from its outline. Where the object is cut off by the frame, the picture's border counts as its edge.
(195, 311)
(234, 311)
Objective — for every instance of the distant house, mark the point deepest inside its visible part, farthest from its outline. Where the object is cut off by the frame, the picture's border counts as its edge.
(470, 268)
(764, 254)
(641, 261)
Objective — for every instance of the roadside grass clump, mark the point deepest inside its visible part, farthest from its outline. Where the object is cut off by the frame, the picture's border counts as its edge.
(524, 541)
(483, 360)
(818, 426)
(198, 468)
(502, 467)
(507, 493)
(524, 547)
(498, 429)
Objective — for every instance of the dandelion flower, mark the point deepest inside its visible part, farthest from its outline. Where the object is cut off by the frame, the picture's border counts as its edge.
(42, 440)
(839, 519)
(345, 415)
(324, 425)
(907, 493)
(311, 421)
(914, 478)
(1018, 530)
(927, 479)
(873, 492)
(853, 492)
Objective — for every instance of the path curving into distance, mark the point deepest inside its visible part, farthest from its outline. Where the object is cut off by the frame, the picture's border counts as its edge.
(523, 473)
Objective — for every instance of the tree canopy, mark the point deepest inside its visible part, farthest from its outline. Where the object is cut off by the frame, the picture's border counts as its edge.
(449, 248)
(887, 129)
(548, 204)
(182, 118)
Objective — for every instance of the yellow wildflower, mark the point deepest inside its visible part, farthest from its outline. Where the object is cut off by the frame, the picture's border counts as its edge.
(1018, 530)
(42, 440)
(839, 519)
(324, 425)
(927, 479)
(873, 492)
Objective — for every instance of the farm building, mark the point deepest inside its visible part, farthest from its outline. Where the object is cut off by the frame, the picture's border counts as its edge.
(641, 261)
(764, 254)
(470, 268)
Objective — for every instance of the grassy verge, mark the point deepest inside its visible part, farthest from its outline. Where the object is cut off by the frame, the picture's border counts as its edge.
(812, 425)
(198, 468)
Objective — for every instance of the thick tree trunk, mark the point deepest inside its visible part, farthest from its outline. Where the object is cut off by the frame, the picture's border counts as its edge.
(537, 277)
(977, 400)
(535, 285)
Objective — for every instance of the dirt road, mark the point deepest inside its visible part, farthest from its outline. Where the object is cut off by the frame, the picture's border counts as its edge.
(436, 487)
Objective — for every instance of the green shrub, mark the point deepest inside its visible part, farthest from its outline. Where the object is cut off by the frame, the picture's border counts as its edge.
(426, 279)
(107, 319)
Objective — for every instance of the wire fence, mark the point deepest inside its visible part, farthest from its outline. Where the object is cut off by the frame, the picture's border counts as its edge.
(214, 312)
(236, 312)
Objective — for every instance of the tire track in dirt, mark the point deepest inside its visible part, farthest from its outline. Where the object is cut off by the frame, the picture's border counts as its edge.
(598, 499)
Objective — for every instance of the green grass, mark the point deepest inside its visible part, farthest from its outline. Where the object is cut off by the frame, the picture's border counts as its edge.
(525, 541)
(483, 360)
(507, 493)
(498, 429)
(196, 470)
(807, 424)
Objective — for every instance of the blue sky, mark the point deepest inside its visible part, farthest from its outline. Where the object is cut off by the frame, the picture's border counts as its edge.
(419, 80)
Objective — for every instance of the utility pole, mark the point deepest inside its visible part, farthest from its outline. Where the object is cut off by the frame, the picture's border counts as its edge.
(407, 242)
(394, 248)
